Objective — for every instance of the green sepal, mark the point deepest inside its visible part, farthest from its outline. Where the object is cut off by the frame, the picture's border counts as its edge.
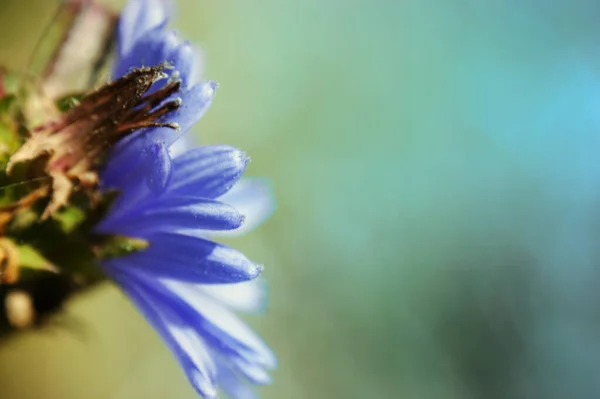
(30, 258)
(23, 219)
(69, 218)
(116, 246)
(65, 103)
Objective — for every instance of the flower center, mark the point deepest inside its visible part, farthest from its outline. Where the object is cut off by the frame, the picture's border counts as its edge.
(71, 149)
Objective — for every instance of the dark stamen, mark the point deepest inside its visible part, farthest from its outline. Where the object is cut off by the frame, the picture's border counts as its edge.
(154, 99)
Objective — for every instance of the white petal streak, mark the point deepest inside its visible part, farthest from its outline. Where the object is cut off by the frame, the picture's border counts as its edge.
(182, 339)
(180, 146)
(248, 297)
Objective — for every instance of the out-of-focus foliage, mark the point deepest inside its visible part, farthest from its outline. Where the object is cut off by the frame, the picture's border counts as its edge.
(437, 172)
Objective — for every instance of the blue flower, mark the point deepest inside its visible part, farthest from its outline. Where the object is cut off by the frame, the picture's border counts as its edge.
(186, 285)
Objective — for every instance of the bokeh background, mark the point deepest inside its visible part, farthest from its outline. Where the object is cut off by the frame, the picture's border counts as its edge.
(437, 170)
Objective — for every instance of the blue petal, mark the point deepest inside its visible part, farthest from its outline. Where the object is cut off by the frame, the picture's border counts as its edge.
(126, 204)
(124, 160)
(157, 162)
(232, 384)
(227, 330)
(188, 64)
(252, 197)
(219, 327)
(254, 372)
(208, 171)
(125, 156)
(137, 18)
(151, 49)
(156, 47)
(195, 101)
(146, 178)
(183, 340)
(193, 259)
(173, 214)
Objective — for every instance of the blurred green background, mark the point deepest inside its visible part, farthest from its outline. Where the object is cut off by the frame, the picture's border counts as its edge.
(437, 174)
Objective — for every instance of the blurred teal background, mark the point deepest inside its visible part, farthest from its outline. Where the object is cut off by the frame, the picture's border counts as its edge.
(437, 169)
